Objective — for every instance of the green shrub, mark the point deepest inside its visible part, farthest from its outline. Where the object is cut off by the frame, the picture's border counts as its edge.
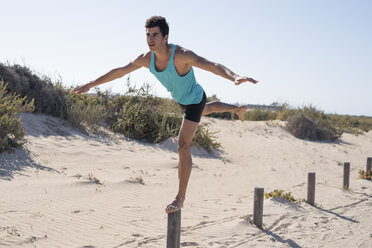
(280, 195)
(310, 123)
(49, 99)
(11, 130)
(86, 112)
(284, 112)
(258, 114)
(354, 124)
(141, 117)
(206, 139)
(145, 117)
(365, 174)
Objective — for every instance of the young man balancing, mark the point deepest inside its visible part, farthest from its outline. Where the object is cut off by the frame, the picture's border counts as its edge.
(173, 65)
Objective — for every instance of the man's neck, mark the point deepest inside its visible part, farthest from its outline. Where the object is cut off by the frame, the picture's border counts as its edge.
(164, 52)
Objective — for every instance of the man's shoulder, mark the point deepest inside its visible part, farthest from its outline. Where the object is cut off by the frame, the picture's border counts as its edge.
(143, 59)
(184, 53)
(145, 55)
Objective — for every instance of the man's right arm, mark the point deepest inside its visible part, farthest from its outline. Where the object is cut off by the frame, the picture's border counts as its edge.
(116, 73)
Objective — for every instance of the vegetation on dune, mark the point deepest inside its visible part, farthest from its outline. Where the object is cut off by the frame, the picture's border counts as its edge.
(280, 195)
(49, 98)
(140, 115)
(137, 114)
(365, 174)
(11, 130)
(310, 123)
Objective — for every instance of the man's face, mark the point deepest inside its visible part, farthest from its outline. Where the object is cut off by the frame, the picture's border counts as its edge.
(155, 39)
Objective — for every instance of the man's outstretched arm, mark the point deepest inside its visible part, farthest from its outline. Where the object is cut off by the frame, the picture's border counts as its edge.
(112, 75)
(215, 68)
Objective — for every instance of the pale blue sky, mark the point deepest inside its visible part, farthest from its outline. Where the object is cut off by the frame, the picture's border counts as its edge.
(302, 52)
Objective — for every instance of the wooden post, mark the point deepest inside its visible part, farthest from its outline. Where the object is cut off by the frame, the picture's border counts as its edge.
(311, 188)
(369, 163)
(258, 206)
(346, 175)
(174, 229)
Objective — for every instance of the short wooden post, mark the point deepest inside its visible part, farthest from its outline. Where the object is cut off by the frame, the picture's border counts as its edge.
(258, 206)
(369, 163)
(174, 229)
(311, 188)
(346, 175)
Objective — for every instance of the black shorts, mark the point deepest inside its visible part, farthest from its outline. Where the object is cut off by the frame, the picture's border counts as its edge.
(193, 112)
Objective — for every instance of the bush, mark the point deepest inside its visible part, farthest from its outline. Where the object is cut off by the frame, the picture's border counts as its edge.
(49, 99)
(258, 114)
(206, 139)
(310, 123)
(86, 112)
(365, 174)
(11, 131)
(142, 118)
(355, 124)
(280, 195)
(154, 119)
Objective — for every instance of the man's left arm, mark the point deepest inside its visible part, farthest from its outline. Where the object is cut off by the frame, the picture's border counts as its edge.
(218, 69)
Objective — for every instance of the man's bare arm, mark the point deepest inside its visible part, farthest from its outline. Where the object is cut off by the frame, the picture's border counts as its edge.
(112, 75)
(215, 68)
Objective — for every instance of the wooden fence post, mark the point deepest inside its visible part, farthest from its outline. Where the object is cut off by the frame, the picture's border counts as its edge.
(369, 163)
(346, 175)
(311, 188)
(174, 229)
(258, 206)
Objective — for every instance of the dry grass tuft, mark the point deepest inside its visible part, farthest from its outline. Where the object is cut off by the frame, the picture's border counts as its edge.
(280, 195)
(365, 174)
(138, 180)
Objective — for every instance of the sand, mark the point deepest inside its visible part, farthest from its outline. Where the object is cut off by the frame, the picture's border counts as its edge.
(67, 189)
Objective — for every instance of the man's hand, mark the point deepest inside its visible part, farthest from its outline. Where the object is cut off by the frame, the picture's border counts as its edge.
(81, 89)
(238, 80)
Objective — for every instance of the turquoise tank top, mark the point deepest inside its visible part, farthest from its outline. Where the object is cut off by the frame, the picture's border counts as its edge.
(185, 90)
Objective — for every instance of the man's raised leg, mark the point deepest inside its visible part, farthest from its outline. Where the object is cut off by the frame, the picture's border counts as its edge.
(187, 132)
(212, 107)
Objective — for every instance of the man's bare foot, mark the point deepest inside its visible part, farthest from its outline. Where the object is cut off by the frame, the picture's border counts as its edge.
(176, 205)
(240, 112)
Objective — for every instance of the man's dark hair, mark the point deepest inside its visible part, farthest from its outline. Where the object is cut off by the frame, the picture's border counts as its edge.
(158, 21)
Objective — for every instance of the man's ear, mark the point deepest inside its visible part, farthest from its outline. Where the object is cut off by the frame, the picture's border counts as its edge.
(166, 38)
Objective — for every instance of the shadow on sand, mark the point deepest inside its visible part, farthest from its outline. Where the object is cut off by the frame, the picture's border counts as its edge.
(39, 125)
(338, 215)
(14, 163)
(290, 242)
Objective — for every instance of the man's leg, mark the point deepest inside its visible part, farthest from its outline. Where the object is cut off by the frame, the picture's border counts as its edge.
(187, 132)
(211, 107)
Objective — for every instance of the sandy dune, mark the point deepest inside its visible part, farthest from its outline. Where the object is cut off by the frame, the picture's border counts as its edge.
(72, 190)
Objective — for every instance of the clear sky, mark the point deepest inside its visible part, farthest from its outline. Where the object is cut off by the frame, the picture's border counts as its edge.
(302, 52)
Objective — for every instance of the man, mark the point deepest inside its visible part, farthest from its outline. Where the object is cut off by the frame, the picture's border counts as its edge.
(173, 66)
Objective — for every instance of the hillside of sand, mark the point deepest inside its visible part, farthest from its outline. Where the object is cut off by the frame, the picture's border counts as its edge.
(68, 189)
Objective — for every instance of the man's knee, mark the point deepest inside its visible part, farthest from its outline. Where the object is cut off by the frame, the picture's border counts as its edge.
(183, 148)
